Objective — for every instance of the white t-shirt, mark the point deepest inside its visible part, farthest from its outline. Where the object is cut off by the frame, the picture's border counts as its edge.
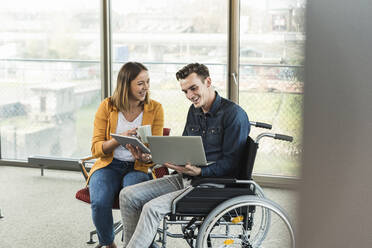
(123, 125)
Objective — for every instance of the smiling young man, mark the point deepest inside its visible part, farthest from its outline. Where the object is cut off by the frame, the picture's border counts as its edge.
(224, 128)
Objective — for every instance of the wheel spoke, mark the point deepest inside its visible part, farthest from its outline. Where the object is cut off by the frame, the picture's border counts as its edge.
(248, 225)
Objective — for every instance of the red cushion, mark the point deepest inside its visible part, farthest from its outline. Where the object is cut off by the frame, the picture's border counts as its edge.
(161, 171)
(83, 195)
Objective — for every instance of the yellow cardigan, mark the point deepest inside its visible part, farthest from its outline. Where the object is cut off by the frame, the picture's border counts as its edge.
(105, 122)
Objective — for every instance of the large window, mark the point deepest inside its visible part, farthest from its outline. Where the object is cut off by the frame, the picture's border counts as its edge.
(50, 68)
(49, 77)
(166, 36)
(271, 78)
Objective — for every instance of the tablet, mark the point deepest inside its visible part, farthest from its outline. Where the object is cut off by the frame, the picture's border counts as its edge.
(131, 140)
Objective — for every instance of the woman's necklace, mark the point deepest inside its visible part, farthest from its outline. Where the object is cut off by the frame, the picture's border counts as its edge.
(132, 113)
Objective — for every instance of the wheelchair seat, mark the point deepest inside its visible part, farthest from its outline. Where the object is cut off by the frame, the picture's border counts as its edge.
(201, 201)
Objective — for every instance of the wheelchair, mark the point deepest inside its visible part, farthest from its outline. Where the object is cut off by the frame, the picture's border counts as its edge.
(230, 212)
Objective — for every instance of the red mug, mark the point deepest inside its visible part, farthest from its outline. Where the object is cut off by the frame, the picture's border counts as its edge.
(166, 131)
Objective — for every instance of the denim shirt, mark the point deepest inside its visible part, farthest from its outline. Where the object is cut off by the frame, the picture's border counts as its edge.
(224, 131)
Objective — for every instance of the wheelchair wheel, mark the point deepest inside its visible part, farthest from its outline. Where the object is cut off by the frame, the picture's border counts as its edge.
(239, 222)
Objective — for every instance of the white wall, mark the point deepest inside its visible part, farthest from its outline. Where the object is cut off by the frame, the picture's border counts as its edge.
(336, 198)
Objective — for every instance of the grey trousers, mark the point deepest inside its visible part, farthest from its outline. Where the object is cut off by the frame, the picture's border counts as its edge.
(144, 205)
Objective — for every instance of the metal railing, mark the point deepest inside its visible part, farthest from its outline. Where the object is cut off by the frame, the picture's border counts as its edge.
(270, 92)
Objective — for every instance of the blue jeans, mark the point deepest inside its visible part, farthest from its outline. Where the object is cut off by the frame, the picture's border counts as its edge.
(104, 185)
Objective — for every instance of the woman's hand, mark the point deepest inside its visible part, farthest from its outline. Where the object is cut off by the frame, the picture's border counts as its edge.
(129, 132)
(188, 169)
(138, 154)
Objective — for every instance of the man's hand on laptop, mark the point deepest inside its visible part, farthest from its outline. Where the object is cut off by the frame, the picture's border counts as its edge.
(188, 169)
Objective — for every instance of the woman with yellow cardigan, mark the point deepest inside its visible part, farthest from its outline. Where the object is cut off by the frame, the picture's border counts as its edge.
(115, 168)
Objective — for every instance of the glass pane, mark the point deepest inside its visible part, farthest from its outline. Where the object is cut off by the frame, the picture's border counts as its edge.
(272, 40)
(166, 36)
(49, 77)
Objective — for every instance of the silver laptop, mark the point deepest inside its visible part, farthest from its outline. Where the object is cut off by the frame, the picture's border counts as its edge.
(178, 150)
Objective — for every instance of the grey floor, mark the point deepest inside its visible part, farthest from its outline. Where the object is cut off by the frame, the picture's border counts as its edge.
(41, 211)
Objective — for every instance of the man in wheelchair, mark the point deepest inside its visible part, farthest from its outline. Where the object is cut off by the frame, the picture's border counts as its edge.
(224, 128)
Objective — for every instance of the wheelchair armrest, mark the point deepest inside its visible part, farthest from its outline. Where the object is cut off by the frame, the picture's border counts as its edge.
(211, 185)
(198, 181)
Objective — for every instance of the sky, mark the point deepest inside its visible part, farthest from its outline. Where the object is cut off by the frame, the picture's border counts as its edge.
(125, 6)
(43, 5)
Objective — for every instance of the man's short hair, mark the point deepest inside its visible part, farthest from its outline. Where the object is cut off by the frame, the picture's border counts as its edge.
(200, 70)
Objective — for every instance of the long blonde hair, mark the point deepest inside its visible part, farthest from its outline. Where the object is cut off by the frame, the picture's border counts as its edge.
(128, 72)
